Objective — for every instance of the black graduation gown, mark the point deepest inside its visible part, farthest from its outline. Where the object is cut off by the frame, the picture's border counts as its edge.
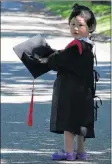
(72, 101)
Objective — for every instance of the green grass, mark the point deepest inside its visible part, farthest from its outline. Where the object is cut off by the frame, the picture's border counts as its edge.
(100, 10)
(104, 19)
(103, 25)
(107, 32)
(63, 8)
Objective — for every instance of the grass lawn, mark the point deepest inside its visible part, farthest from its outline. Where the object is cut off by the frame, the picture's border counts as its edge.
(103, 25)
(63, 8)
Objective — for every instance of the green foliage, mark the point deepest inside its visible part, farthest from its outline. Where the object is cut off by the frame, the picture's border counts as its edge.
(100, 10)
(103, 25)
(63, 8)
(107, 32)
(104, 19)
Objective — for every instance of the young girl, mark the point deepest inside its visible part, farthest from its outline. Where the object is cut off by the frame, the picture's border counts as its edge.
(72, 110)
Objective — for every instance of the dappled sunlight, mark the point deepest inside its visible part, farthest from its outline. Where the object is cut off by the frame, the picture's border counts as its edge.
(103, 89)
(26, 151)
(75, 162)
(16, 83)
(99, 152)
(48, 152)
(33, 25)
(26, 99)
(15, 122)
(29, 28)
(104, 81)
(36, 19)
(23, 90)
(6, 162)
(16, 133)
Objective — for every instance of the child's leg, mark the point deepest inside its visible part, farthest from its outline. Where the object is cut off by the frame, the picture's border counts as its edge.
(80, 143)
(68, 141)
(69, 153)
(81, 154)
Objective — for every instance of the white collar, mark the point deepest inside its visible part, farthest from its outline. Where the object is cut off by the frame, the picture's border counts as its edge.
(87, 40)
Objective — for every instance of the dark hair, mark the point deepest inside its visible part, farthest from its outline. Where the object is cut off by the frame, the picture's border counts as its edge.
(86, 13)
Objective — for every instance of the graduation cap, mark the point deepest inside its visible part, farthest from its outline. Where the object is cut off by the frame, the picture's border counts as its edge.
(34, 48)
(30, 52)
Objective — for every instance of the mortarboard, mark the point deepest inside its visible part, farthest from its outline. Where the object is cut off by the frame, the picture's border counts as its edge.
(33, 48)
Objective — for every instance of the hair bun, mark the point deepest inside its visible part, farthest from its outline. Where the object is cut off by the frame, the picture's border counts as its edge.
(75, 6)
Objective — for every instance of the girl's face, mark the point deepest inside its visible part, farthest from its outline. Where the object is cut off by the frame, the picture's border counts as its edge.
(78, 27)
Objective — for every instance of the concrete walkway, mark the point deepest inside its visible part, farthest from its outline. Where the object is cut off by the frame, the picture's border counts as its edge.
(21, 144)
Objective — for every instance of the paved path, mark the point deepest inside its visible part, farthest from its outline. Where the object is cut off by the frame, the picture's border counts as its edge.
(21, 144)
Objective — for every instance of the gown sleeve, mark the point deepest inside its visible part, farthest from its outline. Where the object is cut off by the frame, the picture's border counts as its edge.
(69, 59)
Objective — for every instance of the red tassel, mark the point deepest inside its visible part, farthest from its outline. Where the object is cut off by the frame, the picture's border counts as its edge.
(30, 111)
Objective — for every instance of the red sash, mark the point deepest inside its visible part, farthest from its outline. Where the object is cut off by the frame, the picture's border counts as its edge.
(75, 42)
